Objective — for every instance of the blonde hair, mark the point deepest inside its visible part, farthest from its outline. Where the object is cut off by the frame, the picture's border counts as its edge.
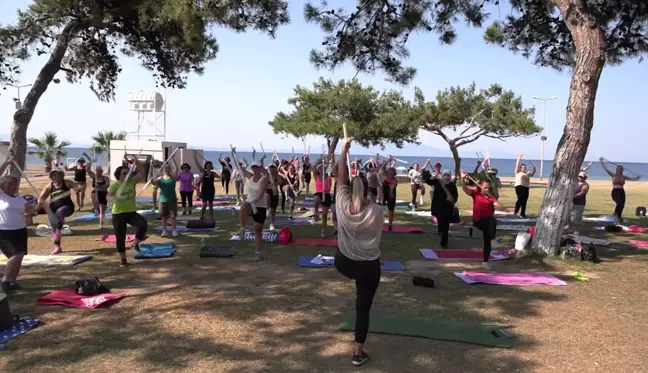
(359, 189)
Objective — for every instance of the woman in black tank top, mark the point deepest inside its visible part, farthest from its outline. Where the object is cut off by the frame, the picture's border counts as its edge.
(100, 184)
(60, 205)
(306, 173)
(80, 178)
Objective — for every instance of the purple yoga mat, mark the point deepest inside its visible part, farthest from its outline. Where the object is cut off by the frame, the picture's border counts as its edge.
(292, 222)
(182, 228)
(520, 279)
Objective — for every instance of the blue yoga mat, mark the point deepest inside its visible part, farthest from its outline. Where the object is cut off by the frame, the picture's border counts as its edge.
(155, 250)
(89, 217)
(305, 261)
(399, 207)
(144, 200)
(292, 222)
(19, 327)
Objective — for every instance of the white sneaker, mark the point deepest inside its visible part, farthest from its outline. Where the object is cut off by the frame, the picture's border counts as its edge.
(174, 234)
(485, 265)
(258, 256)
(323, 234)
(494, 244)
(241, 234)
(238, 203)
(164, 234)
(421, 202)
(272, 227)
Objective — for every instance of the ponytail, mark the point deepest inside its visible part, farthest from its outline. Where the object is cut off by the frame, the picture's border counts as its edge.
(359, 192)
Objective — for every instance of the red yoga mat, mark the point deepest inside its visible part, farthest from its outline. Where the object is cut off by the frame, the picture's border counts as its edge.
(403, 229)
(326, 242)
(69, 298)
(110, 238)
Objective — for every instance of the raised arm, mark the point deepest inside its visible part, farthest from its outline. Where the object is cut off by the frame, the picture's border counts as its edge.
(464, 184)
(237, 164)
(45, 194)
(342, 170)
(517, 164)
(589, 165)
(5, 164)
(89, 170)
(602, 160)
(140, 175)
(534, 169)
(479, 163)
(427, 163)
(72, 185)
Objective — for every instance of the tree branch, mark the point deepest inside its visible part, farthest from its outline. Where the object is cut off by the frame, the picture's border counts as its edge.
(469, 139)
(472, 121)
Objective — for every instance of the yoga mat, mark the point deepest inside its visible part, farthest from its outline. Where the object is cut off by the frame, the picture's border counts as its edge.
(517, 228)
(496, 213)
(182, 228)
(89, 217)
(588, 240)
(112, 239)
(144, 200)
(221, 197)
(520, 279)
(600, 219)
(305, 261)
(44, 260)
(433, 328)
(147, 212)
(217, 252)
(399, 207)
(69, 298)
(324, 242)
(43, 230)
(450, 254)
(517, 220)
(292, 222)
(639, 243)
(308, 203)
(19, 327)
(156, 250)
(402, 229)
(423, 214)
(434, 220)
(249, 236)
(218, 208)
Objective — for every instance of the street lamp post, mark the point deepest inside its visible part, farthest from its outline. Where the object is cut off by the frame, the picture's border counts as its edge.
(543, 138)
(18, 100)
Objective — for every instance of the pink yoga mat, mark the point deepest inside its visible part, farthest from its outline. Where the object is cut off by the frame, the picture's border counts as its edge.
(403, 229)
(450, 254)
(639, 243)
(521, 279)
(110, 238)
(69, 298)
(325, 242)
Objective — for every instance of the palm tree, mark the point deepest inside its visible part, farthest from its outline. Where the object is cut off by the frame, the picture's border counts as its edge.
(102, 141)
(48, 148)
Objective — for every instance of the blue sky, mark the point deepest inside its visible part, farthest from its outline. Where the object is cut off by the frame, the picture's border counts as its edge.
(253, 76)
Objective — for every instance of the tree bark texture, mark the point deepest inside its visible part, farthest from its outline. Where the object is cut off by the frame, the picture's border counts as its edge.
(589, 43)
(23, 116)
(332, 143)
(457, 159)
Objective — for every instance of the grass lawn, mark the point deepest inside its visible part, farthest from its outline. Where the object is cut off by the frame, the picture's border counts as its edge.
(189, 314)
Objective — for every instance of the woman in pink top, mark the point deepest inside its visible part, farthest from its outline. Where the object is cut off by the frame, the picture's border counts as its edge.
(618, 191)
(186, 188)
(323, 183)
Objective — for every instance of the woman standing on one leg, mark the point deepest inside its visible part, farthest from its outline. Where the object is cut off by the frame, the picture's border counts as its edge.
(389, 192)
(291, 187)
(416, 183)
(207, 190)
(323, 192)
(306, 172)
(100, 185)
(239, 181)
(168, 199)
(226, 173)
(272, 198)
(80, 178)
(522, 185)
(186, 188)
(255, 205)
(61, 205)
(360, 225)
(618, 191)
(579, 202)
(443, 201)
(484, 204)
(13, 230)
(124, 206)
(282, 170)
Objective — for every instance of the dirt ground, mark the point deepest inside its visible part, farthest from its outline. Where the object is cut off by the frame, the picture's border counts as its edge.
(191, 314)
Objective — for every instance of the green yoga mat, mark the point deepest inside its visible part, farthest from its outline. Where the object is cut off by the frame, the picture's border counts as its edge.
(431, 328)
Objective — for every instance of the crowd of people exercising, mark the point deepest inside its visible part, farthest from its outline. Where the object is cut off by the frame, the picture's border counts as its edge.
(353, 192)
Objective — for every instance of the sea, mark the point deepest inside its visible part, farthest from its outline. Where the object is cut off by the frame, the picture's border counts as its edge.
(505, 166)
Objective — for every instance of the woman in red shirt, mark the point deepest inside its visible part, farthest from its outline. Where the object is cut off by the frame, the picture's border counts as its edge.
(484, 204)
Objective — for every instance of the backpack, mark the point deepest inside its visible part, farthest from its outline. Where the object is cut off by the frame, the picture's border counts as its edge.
(588, 253)
(90, 286)
(285, 236)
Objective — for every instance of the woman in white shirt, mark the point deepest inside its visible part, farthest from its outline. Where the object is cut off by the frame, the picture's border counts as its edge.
(522, 186)
(239, 180)
(255, 205)
(13, 230)
(360, 224)
(416, 182)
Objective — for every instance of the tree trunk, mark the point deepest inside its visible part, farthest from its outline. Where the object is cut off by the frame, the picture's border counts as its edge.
(22, 117)
(457, 160)
(332, 143)
(589, 44)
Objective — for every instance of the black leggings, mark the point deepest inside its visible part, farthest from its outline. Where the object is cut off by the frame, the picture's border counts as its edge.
(619, 197)
(522, 193)
(120, 221)
(57, 214)
(367, 277)
(187, 198)
(443, 224)
(225, 184)
(283, 200)
(488, 226)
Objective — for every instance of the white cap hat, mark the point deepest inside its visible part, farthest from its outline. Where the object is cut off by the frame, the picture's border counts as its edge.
(256, 164)
(582, 174)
